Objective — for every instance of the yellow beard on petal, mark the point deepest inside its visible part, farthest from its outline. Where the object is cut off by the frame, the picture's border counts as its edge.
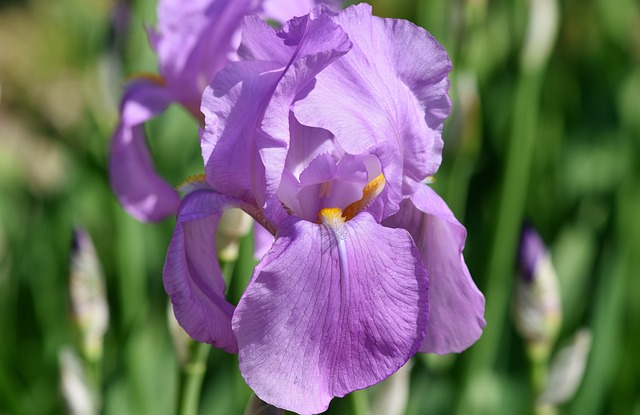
(369, 193)
(336, 217)
(193, 183)
(332, 217)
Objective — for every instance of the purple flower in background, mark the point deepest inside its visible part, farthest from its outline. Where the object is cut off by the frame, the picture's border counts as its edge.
(532, 252)
(536, 303)
(193, 41)
(323, 132)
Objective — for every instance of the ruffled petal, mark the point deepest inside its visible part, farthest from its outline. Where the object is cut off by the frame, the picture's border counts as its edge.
(260, 42)
(246, 109)
(329, 311)
(142, 193)
(232, 139)
(283, 10)
(396, 75)
(192, 275)
(456, 305)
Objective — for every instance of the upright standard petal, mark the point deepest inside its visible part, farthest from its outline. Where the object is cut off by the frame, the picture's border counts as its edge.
(194, 40)
(331, 308)
(396, 78)
(192, 275)
(143, 194)
(283, 10)
(247, 107)
(457, 306)
(231, 138)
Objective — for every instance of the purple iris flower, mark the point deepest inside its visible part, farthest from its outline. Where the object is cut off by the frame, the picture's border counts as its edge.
(324, 132)
(193, 41)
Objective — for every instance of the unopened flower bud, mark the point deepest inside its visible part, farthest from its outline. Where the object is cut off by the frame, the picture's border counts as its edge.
(88, 299)
(73, 384)
(537, 308)
(566, 371)
(233, 225)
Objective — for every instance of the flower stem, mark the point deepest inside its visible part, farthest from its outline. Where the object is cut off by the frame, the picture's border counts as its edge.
(505, 241)
(193, 369)
(191, 376)
(360, 402)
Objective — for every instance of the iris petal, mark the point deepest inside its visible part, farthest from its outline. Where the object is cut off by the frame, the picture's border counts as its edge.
(396, 78)
(194, 40)
(330, 311)
(457, 306)
(140, 190)
(192, 275)
(247, 108)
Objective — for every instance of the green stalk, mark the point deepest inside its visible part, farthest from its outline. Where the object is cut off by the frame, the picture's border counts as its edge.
(510, 215)
(538, 371)
(539, 356)
(194, 368)
(360, 402)
(93, 370)
(191, 377)
(509, 219)
(8, 393)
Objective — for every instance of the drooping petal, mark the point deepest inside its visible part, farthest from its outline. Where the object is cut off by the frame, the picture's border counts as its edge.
(246, 109)
(396, 78)
(330, 310)
(456, 305)
(143, 194)
(192, 275)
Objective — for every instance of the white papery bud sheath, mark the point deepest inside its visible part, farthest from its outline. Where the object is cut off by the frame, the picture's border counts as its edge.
(566, 371)
(88, 296)
(73, 384)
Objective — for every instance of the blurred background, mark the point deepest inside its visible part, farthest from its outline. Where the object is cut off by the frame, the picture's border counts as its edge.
(545, 128)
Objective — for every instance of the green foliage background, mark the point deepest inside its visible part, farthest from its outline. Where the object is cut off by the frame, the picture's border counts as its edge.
(558, 145)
